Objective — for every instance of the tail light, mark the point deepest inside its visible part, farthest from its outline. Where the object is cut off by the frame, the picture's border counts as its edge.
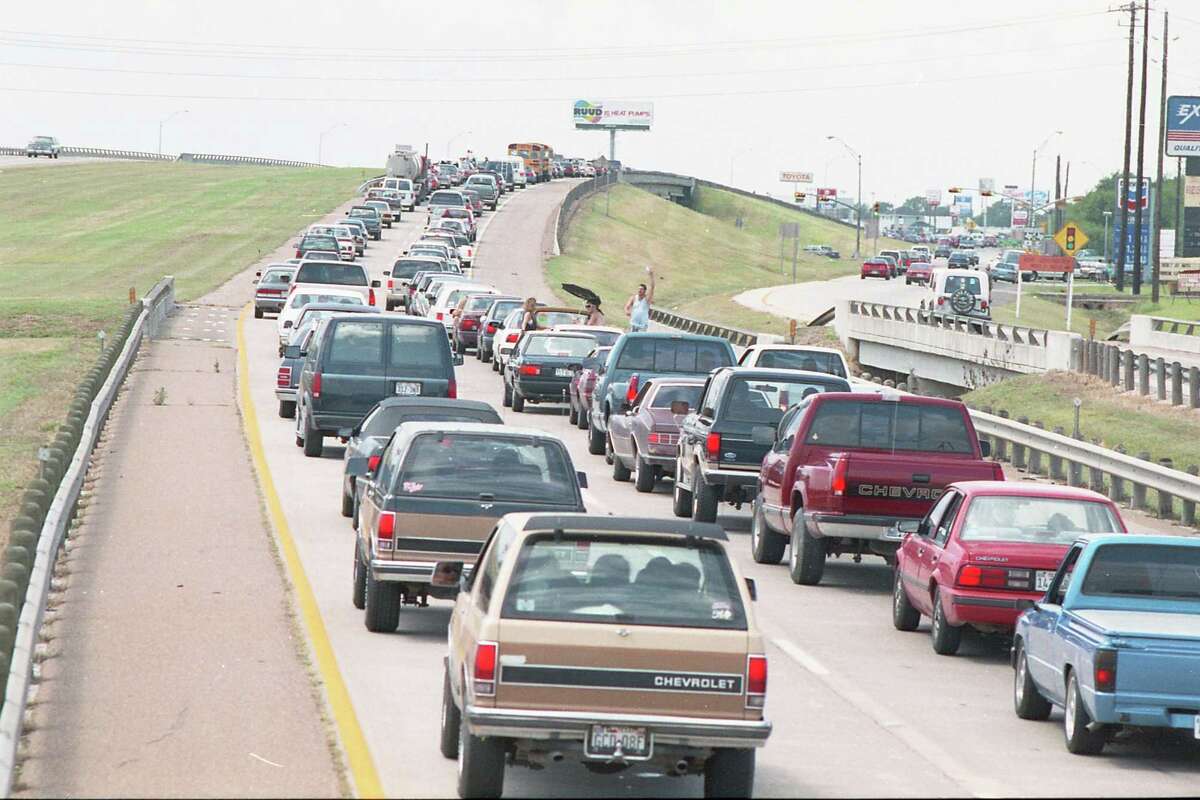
(632, 390)
(284, 377)
(1105, 666)
(530, 369)
(316, 384)
(983, 304)
(974, 575)
(452, 389)
(298, 254)
(371, 297)
(756, 681)
(712, 446)
(439, 316)
(373, 463)
(385, 531)
(997, 471)
(941, 301)
(512, 337)
(484, 669)
(270, 291)
(391, 284)
(469, 324)
(491, 328)
(838, 484)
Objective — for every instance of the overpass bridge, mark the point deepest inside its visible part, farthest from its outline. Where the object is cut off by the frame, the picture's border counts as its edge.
(667, 185)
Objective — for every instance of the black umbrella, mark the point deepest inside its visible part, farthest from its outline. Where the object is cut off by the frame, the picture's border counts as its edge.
(584, 294)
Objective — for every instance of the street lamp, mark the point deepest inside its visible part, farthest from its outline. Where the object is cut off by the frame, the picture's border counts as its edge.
(1033, 172)
(165, 121)
(452, 140)
(321, 138)
(858, 195)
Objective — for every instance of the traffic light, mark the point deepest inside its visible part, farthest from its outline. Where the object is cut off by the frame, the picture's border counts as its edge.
(875, 208)
(799, 197)
(1070, 238)
(955, 190)
(985, 193)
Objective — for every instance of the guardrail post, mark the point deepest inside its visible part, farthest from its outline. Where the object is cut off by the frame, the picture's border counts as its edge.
(1115, 375)
(1056, 470)
(1001, 448)
(1096, 475)
(1166, 502)
(1143, 368)
(1128, 356)
(1188, 517)
(1076, 355)
(1139, 489)
(1176, 384)
(1075, 474)
(1160, 369)
(1035, 456)
(1194, 387)
(1116, 487)
(1018, 459)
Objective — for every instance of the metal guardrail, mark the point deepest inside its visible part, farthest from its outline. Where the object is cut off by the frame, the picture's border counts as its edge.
(1181, 327)
(1137, 372)
(734, 336)
(953, 322)
(137, 155)
(211, 158)
(54, 530)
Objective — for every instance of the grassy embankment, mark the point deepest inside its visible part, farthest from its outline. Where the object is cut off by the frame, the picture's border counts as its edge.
(701, 257)
(74, 239)
(1049, 312)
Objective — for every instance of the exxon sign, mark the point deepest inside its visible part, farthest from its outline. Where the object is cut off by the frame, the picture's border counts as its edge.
(1183, 126)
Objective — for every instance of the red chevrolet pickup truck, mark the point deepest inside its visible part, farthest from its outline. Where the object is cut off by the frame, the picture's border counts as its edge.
(847, 468)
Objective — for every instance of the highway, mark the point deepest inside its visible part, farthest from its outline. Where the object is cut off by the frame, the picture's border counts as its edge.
(859, 708)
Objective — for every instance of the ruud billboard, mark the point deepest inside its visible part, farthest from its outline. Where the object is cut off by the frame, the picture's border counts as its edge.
(590, 114)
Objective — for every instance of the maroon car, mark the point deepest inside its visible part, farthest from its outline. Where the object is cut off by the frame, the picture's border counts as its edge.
(645, 438)
(579, 392)
(876, 268)
(919, 272)
(465, 333)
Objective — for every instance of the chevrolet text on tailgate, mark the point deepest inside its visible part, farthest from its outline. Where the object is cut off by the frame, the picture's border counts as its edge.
(847, 469)
(617, 642)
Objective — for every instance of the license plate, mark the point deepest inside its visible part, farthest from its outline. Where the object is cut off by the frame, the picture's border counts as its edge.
(609, 740)
(408, 388)
(562, 373)
(1043, 579)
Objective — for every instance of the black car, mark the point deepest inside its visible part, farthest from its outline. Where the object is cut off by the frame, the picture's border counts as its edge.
(942, 251)
(358, 360)
(365, 440)
(959, 260)
(370, 217)
(491, 322)
(722, 443)
(541, 368)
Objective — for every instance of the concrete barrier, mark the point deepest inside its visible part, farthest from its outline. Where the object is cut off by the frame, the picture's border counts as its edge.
(1164, 333)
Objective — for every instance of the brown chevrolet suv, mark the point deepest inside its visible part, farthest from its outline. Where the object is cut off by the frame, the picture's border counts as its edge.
(619, 642)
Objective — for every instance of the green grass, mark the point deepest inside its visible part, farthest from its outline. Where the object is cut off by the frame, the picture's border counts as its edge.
(1038, 312)
(701, 259)
(75, 239)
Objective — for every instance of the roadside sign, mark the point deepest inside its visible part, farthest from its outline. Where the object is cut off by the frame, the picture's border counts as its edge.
(1183, 126)
(969, 224)
(798, 197)
(987, 184)
(1071, 238)
(796, 177)
(826, 195)
(1031, 262)
(933, 197)
(1020, 217)
(1131, 200)
(789, 230)
(1133, 238)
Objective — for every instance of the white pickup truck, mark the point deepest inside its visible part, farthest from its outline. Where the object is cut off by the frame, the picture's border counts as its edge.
(1091, 265)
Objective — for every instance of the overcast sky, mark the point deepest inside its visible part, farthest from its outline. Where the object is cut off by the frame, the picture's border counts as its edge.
(932, 94)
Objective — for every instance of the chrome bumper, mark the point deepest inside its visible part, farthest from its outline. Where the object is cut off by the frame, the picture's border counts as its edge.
(572, 725)
(407, 571)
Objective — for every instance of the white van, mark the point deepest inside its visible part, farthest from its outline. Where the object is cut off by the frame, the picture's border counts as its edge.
(965, 292)
(518, 170)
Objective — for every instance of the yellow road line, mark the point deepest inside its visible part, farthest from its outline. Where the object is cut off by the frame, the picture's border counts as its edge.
(362, 766)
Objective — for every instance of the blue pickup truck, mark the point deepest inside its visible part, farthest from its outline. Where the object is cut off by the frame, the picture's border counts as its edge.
(1115, 641)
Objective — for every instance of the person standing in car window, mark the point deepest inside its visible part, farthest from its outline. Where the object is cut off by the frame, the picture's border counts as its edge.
(594, 315)
(638, 307)
(529, 318)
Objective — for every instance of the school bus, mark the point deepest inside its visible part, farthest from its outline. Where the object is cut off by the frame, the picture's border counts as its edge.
(537, 157)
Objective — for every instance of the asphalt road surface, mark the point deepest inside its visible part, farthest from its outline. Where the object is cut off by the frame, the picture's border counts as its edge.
(859, 708)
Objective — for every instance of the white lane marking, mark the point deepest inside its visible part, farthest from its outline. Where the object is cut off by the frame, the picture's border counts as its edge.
(884, 717)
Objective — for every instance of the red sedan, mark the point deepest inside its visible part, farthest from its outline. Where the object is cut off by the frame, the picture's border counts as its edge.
(579, 392)
(984, 547)
(876, 268)
(919, 272)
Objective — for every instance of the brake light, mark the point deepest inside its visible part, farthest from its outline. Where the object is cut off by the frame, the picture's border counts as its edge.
(284, 378)
(391, 285)
(270, 291)
(1106, 670)
(756, 681)
(452, 389)
(373, 463)
(371, 297)
(298, 254)
(512, 337)
(385, 531)
(632, 390)
(491, 328)
(983, 304)
(529, 369)
(468, 324)
(941, 301)
(484, 670)
(316, 384)
(997, 471)
(996, 577)
(712, 446)
(838, 484)
(439, 316)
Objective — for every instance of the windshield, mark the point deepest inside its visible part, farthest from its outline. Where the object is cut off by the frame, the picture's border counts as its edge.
(1164, 572)
(502, 308)
(42, 140)
(332, 272)
(632, 580)
(277, 277)
(564, 346)
(763, 400)
(968, 283)
(304, 298)
(669, 394)
(318, 242)
(404, 185)
(471, 465)
(673, 355)
(810, 360)
(1043, 520)
(889, 425)
(479, 303)
(405, 268)
(366, 213)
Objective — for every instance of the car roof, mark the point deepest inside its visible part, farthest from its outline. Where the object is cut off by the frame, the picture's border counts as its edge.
(1028, 489)
(673, 335)
(339, 307)
(796, 348)
(779, 372)
(337, 290)
(1169, 539)
(444, 403)
(910, 399)
(414, 428)
(559, 334)
(587, 523)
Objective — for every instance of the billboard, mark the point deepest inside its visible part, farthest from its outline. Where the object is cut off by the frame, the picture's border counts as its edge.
(962, 206)
(933, 197)
(826, 195)
(1183, 126)
(987, 184)
(1020, 217)
(605, 114)
(1131, 200)
(795, 177)
(1012, 191)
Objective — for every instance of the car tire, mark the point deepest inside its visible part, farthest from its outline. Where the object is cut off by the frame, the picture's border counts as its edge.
(620, 472)
(729, 773)
(573, 415)
(358, 593)
(944, 637)
(314, 443)
(643, 474)
(507, 399)
(1079, 739)
(904, 616)
(495, 365)
(907, 281)
(388, 305)
(518, 401)
(806, 564)
(766, 545)
(347, 505)
(1028, 701)
(584, 419)
(287, 409)
(258, 313)
(681, 498)
(596, 439)
(480, 765)
(381, 601)
(485, 355)
(451, 720)
(707, 498)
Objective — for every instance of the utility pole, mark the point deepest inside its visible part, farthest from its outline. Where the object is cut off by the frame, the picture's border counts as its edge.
(1178, 203)
(1121, 201)
(1141, 150)
(1158, 181)
(1056, 215)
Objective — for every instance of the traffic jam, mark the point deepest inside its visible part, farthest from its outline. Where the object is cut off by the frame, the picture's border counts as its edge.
(631, 642)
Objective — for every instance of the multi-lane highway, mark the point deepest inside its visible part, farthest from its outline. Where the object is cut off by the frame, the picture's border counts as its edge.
(859, 708)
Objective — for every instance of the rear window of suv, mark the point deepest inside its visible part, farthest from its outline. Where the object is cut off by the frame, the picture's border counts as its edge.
(319, 243)
(445, 199)
(888, 425)
(470, 465)
(812, 361)
(420, 351)
(332, 272)
(627, 580)
(673, 355)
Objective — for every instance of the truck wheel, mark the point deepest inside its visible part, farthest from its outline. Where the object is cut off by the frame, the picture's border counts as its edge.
(945, 637)
(480, 765)
(358, 595)
(518, 401)
(595, 440)
(382, 604)
(766, 545)
(347, 505)
(507, 399)
(1028, 701)
(451, 720)
(314, 443)
(807, 562)
(729, 773)
(573, 415)
(904, 616)
(1080, 740)
(258, 313)
(287, 409)
(388, 305)
(620, 472)
(643, 474)
(584, 419)
(705, 507)
(681, 498)
(485, 355)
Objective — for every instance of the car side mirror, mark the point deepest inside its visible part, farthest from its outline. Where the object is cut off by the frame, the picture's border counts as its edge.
(762, 434)
(387, 273)
(707, 412)
(458, 359)
(985, 448)
(447, 575)
(287, 323)
(752, 588)
(375, 284)
(581, 476)
(680, 407)
(292, 351)
(909, 526)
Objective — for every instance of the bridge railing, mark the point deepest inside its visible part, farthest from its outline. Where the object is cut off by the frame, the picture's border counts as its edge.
(138, 155)
(952, 322)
